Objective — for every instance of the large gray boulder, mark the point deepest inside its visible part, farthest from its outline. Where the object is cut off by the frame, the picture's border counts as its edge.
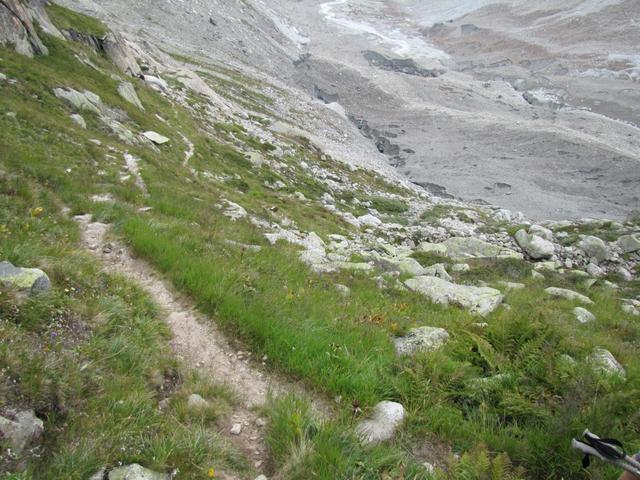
(536, 247)
(382, 424)
(478, 300)
(422, 339)
(629, 243)
(17, 29)
(583, 315)
(594, 248)
(21, 430)
(32, 280)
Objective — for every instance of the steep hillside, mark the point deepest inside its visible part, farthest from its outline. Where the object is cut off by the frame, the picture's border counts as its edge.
(194, 287)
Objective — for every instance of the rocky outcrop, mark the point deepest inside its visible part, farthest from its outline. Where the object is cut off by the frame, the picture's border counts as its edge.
(31, 280)
(629, 243)
(478, 300)
(126, 91)
(423, 339)
(120, 54)
(460, 248)
(382, 424)
(604, 362)
(17, 29)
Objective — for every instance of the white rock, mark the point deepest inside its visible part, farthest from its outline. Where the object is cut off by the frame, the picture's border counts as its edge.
(382, 424)
(156, 138)
(136, 472)
(436, 248)
(479, 300)
(369, 220)
(128, 92)
(78, 120)
(437, 270)
(541, 232)
(422, 339)
(568, 294)
(512, 285)
(460, 267)
(156, 83)
(624, 274)
(234, 211)
(343, 290)
(604, 362)
(594, 270)
(536, 247)
(236, 429)
(583, 315)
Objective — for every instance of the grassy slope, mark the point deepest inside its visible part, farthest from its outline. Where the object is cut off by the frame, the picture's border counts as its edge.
(339, 346)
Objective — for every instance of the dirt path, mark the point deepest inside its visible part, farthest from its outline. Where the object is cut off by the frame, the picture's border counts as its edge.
(197, 341)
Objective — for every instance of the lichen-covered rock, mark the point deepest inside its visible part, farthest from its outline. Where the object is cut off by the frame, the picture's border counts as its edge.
(595, 248)
(382, 424)
(422, 339)
(629, 243)
(478, 300)
(21, 430)
(32, 280)
(583, 315)
(536, 247)
(437, 270)
(435, 248)
(568, 294)
(604, 362)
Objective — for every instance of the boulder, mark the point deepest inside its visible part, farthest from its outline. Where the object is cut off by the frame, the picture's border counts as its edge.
(594, 248)
(423, 339)
(568, 294)
(629, 243)
(470, 247)
(17, 29)
(594, 270)
(21, 430)
(536, 247)
(32, 280)
(156, 83)
(604, 362)
(478, 300)
(127, 92)
(136, 472)
(408, 266)
(583, 315)
(512, 285)
(156, 138)
(382, 424)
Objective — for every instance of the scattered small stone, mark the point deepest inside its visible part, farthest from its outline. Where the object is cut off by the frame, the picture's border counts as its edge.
(583, 315)
(196, 402)
(382, 424)
(79, 120)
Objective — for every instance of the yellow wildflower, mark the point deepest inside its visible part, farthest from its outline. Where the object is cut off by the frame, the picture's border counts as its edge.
(211, 473)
